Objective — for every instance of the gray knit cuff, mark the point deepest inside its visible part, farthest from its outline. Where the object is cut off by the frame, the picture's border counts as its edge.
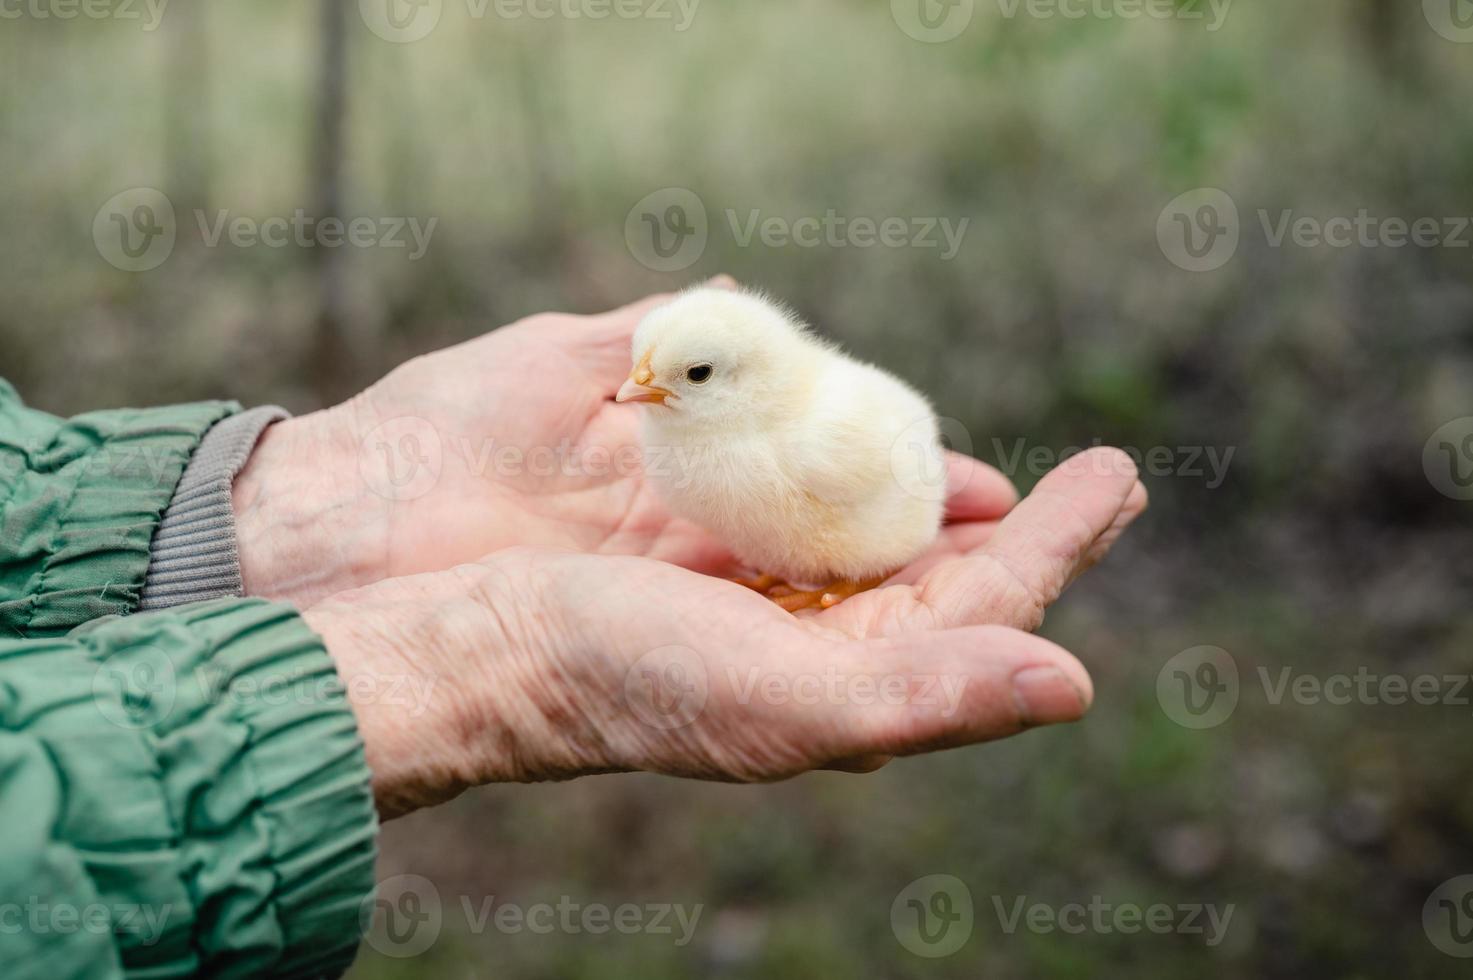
(194, 555)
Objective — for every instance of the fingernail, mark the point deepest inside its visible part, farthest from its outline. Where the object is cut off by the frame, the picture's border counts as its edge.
(1044, 696)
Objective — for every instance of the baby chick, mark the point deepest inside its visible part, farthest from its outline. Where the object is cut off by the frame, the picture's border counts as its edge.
(789, 451)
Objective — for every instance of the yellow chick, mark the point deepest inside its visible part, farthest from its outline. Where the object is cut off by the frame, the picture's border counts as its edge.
(820, 472)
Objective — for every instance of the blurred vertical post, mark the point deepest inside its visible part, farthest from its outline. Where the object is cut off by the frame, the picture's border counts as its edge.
(330, 368)
(1383, 31)
(187, 145)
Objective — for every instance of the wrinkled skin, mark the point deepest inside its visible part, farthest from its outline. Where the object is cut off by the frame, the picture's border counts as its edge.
(543, 613)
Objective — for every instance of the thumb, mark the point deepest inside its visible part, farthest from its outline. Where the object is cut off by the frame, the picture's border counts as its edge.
(936, 690)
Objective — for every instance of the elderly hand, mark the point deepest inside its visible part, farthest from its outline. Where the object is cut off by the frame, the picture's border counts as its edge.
(545, 664)
(508, 439)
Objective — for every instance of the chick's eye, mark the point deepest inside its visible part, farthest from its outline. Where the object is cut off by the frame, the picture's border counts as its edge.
(698, 374)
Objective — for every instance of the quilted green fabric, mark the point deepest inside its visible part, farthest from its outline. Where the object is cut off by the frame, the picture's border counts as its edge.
(183, 793)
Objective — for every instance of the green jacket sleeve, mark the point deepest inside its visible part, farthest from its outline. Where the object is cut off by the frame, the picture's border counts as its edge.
(79, 501)
(183, 793)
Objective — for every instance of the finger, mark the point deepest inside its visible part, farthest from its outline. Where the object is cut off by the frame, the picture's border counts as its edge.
(859, 764)
(936, 690)
(955, 541)
(979, 495)
(1038, 548)
(976, 491)
(1135, 505)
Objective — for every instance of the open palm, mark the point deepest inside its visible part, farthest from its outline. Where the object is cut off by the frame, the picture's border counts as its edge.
(533, 451)
(564, 663)
(575, 597)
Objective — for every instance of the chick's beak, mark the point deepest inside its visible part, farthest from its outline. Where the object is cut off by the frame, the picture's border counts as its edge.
(638, 388)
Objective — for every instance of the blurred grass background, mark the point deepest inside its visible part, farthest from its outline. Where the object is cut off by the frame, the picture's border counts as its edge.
(1060, 322)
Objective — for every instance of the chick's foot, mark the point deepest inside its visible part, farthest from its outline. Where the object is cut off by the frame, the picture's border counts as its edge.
(763, 583)
(825, 598)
